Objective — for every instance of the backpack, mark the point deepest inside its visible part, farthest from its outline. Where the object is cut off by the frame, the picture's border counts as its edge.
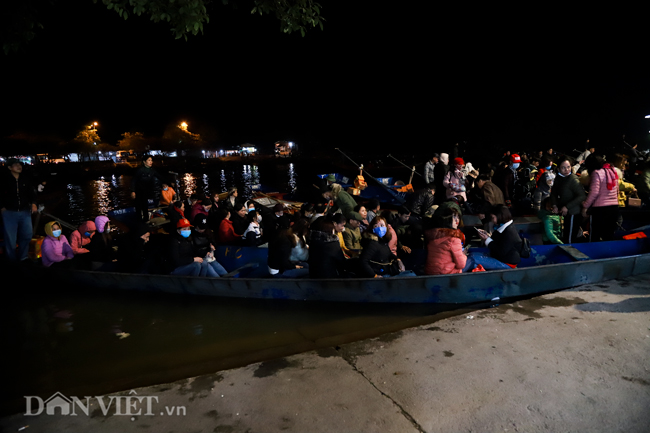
(524, 250)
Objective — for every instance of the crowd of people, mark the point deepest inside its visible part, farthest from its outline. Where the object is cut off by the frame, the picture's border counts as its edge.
(577, 200)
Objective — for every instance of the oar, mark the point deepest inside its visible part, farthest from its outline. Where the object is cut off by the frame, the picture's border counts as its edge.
(413, 169)
(370, 176)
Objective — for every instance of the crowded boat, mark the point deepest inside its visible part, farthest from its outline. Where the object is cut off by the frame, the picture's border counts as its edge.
(338, 233)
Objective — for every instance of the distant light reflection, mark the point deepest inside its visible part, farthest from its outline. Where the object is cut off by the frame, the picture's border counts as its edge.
(292, 177)
(101, 196)
(189, 184)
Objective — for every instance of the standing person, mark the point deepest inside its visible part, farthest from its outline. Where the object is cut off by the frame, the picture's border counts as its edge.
(602, 201)
(566, 196)
(429, 168)
(342, 200)
(143, 186)
(440, 171)
(17, 203)
(454, 181)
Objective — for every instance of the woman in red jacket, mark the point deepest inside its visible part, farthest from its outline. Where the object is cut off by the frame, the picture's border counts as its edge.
(445, 246)
(227, 233)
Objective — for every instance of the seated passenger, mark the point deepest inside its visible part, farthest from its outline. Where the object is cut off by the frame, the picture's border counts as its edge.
(81, 237)
(319, 211)
(279, 259)
(422, 201)
(551, 222)
(183, 256)
(373, 207)
(55, 249)
(326, 258)
(274, 224)
(300, 245)
(504, 242)
(364, 222)
(103, 251)
(376, 258)
(203, 239)
(238, 217)
(137, 255)
(253, 234)
(445, 246)
(352, 234)
(201, 207)
(227, 233)
(167, 195)
(175, 212)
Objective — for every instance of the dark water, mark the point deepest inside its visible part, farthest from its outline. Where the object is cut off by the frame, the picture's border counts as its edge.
(81, 341)
(75, 199)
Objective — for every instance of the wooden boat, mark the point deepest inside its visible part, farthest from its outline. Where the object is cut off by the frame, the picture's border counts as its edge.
(383, 190)
(550, 268)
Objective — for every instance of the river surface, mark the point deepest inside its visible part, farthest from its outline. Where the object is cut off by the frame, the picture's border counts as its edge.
(82, 341)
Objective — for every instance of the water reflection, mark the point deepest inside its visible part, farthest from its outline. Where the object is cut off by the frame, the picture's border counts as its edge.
(292, 178)
(188, 184)
(206, 185)
(222, 179)
(101, 197)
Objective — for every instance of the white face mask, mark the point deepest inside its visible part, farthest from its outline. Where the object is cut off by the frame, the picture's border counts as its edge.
(259, 218)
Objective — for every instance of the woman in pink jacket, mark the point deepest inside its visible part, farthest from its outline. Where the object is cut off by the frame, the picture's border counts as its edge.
(55, 249)
(602, 200)
(81, 237)
(445, 246)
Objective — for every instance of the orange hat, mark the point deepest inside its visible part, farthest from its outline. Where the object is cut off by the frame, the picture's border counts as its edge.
(182, 223)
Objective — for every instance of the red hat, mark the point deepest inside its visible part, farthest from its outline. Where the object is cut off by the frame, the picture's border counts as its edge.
(459, 161)
(182, 223)
(514, 158)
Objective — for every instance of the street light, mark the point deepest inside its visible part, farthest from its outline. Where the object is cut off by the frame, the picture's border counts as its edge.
(183, 126)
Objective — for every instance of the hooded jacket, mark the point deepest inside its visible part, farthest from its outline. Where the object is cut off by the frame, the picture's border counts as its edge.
(78, 239)
(100, 223)
(325, 255)
(603, 188)
(53, 249)
(444, 252)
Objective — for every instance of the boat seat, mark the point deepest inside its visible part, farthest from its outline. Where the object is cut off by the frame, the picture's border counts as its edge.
(236, 272)
(575, 254)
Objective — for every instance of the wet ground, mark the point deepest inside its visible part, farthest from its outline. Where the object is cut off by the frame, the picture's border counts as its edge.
(569, 361)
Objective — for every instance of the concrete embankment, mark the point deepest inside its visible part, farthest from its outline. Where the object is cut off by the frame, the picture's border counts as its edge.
(572, 361)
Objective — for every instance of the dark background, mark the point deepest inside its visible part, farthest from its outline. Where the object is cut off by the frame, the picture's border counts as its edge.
(389, 76)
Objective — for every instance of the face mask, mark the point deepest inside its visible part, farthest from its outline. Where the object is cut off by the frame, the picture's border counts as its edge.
(185, 233)
(107, 230)
(259, 218)
(549, 167)
(515, 165)
(56, 233)
(87, 234)
(379, 231)
(251, 209)
(165, 189)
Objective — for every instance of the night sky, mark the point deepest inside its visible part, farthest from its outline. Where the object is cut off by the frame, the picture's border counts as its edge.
(378, 77)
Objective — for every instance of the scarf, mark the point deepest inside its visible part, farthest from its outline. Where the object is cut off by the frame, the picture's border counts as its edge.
(611, 183)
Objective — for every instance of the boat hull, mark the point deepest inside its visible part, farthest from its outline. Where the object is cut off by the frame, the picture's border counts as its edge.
(527, 280)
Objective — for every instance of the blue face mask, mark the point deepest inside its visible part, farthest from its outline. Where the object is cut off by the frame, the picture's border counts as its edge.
(251, 209)
(379, 231)
(186, 233)
(515, 165)
(56, 233)
(549, 167)
(87, 234)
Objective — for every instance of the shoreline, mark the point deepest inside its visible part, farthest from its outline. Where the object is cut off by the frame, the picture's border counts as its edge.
(574, 360)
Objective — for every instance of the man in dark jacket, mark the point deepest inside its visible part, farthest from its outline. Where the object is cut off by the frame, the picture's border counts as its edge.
(183, 257)
(17, 203)
(422, 200)
(143, 186)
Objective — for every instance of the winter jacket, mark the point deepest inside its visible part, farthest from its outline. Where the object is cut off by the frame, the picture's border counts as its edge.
(53, 249)
(342, 200)
(78, 239)
(421, 202)
(603, 188)
(181, 251)
(567, 191)
(227, 233)
(100, 223)
(352, 238)
(144, 181)
(376, 257)
(444, 252)
(325, 256)
(552, 225)
(16, 194)
(196, 210)
(280, 254)
(429, 174)
(454, 183)
(505, 246)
